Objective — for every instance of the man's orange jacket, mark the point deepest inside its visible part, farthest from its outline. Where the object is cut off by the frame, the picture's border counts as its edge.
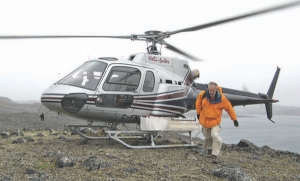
(211, 114)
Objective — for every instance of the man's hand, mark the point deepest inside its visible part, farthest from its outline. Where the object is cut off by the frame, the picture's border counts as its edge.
(198, 116)
(236, 123)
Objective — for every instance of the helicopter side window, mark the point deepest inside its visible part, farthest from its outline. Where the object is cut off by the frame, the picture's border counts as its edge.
(169, 81)
(122, 79)
(149, 82)
(86, 76)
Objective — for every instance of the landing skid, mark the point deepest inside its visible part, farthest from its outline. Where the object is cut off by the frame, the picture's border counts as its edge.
(150, 129)
(153, 136)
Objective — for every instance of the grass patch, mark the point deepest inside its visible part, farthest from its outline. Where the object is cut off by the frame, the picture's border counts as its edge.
(45, 165)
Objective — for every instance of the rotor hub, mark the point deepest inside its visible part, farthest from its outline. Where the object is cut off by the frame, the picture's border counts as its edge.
(152, 32)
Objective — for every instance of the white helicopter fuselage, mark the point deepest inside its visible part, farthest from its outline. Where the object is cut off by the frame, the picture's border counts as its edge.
(111, 90)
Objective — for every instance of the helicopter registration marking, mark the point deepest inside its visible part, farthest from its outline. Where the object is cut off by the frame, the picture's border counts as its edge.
(159, 60)
(134, 117)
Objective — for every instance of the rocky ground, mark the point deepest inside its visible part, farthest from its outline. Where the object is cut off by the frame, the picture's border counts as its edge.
(36, 150)
(45, 154)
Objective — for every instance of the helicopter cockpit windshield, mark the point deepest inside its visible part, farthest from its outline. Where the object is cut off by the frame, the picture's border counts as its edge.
(87, 76)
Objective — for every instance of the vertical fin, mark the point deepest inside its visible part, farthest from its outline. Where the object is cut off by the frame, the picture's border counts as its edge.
(270, 93)
(273, 84)
(269, 111)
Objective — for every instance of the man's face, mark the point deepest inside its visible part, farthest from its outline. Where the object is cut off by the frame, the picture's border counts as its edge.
(212, 90)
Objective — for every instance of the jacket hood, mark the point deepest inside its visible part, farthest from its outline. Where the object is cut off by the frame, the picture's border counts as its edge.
(219, 89)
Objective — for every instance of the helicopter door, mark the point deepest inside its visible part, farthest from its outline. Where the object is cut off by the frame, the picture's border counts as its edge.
(145, 101)
(115, 96)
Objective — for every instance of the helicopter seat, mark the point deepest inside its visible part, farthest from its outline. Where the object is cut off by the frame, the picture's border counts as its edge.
(112, 84)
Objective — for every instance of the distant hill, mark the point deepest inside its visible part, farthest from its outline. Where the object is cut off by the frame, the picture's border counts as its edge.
(15, 115)
(5, 100)
(27, 102)
(9, 106)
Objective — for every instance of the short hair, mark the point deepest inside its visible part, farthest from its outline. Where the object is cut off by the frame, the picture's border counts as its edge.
(212, 84)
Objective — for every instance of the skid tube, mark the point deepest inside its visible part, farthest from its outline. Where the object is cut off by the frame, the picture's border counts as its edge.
(153, 127)
(153, 135)
(115, 135)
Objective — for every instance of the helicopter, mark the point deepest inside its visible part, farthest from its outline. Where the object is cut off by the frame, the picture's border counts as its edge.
(147, 89)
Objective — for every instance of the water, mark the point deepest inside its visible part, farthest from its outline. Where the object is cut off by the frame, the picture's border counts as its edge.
(283, 135)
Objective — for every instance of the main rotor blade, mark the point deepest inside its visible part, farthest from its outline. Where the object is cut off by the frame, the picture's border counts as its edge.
(59, 36)
(199, 27)
(171, 47)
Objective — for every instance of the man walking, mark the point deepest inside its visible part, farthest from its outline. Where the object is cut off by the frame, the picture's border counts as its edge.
(209, 106)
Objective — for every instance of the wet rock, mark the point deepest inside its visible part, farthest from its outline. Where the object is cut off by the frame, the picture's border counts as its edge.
(232, 173)
(37, 179)
(52, 153)
(91, 163)
(105, 165)
(53, 132)
(28, 129)
(83, 142)
(5, 178)
(43, 175)
(130, 170)
(29, 139)
(62, 138)
(200, 150)
(254, 157)
(166, 167)
(296, 159)
(280, 152)
(246, 145)
(23, 140)
(30, 171)
(4, 134)
(267, 150)
(111, 156)
(16, 133)
(40, 135)
(64, 161)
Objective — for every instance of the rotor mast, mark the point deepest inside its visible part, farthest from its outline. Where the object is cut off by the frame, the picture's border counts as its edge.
(152, 39)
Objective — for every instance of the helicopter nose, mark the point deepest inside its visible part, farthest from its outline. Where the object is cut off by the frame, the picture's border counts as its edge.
(74, 102)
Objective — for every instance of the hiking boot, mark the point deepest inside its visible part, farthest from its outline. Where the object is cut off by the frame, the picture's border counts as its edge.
(214, 159)
(209, 151)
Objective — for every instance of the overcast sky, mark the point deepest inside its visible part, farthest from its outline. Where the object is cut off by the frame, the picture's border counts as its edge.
(237, 54)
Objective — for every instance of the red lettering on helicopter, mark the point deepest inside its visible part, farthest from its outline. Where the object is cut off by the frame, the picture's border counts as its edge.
(158, 59)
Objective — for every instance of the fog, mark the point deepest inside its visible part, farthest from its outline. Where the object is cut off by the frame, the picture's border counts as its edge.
(241, 53)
